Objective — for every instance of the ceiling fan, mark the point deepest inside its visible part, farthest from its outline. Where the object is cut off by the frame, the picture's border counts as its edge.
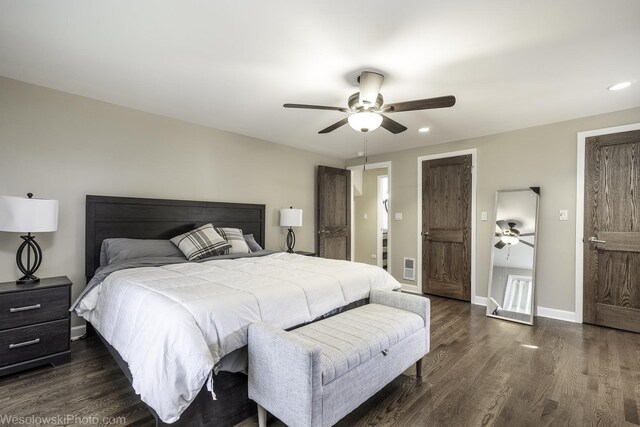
(509, 235)
(365, 108)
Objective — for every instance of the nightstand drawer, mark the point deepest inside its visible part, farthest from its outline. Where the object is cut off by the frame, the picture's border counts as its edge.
(33, 306)
(30, 342)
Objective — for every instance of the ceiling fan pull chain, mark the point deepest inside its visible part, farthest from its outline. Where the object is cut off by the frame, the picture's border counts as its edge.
(364, 167)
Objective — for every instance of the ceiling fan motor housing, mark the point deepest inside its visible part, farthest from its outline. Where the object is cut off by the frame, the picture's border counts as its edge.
(355, 105)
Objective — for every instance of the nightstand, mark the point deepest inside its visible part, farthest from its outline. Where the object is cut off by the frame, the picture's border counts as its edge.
(306, 253)
(34, 324)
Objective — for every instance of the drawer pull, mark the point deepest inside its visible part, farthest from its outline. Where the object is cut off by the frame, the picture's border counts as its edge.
(26, 308)
(24, 344)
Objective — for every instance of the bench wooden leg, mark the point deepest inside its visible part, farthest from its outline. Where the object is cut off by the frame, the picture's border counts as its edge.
(419, 368)
(262, 417)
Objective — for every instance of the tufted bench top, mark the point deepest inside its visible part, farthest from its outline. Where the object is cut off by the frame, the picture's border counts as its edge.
(355, 336)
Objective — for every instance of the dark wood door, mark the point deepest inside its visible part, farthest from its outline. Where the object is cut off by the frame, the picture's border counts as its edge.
(446, 227)
(334, 213)
(612, 231)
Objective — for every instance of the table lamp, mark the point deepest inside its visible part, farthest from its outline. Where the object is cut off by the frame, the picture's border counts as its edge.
(291, 218)
(20, 215)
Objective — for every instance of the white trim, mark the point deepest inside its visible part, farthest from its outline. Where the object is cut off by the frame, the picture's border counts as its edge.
(582, 137)
(481, 301)
(552, 313)
(378, 165)
(379, 237)
(549, 313)
(412, 289)
(474, 178)
(78, 331)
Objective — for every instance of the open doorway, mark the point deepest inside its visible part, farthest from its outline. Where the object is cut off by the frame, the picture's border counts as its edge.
(371, 204)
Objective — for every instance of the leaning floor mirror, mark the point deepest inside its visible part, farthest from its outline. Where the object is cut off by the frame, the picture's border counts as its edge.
(513, 255)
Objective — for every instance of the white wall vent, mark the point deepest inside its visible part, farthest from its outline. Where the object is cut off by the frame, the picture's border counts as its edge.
(409, 271)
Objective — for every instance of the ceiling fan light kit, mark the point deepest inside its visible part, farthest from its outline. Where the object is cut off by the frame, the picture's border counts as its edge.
(510, 240)
(365, 121)
(367, 105)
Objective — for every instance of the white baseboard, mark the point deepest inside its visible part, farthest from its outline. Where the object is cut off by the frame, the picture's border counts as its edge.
(550, 313)
(479, 301)
(413, 289)
(78, 331)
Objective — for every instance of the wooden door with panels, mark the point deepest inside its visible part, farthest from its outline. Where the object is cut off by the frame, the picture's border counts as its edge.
(334, 213)
(446, 227)
(612, 231)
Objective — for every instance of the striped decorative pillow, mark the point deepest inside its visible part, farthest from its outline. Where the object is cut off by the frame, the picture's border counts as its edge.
(200, 243)
(235, 238)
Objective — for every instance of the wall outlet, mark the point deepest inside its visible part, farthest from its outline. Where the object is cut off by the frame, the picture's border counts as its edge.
(398, 216)
(564, 215)
(483, 216)
(374, 256)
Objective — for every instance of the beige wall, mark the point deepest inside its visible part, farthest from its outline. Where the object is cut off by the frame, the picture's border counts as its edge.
(64, 146)
(365, 239)
(542, 156)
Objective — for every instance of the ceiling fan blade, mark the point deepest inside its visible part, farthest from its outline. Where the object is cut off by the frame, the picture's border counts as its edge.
(316, 107)
(370, 84)
(527, 234)
(526, 243)
(335, 126)
(504, 226)
(500, 244)
(391, 125)
(421, 104)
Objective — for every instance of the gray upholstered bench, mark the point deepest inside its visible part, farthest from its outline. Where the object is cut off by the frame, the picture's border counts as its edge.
(317, 374)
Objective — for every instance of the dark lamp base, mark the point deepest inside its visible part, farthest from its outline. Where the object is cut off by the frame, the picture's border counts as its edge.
(28, 280)
(291, 240)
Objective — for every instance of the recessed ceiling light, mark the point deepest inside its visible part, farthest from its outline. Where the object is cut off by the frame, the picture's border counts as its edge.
(423, 130)
(620, 86)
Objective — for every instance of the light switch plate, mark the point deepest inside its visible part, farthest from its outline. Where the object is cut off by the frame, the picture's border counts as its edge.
(564, 215)
(483, 216)
(366, 216)
(398, 216)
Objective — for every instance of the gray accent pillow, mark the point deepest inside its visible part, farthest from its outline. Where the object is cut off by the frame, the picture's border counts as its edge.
(201, 243)
(251, 242)
(121, 249)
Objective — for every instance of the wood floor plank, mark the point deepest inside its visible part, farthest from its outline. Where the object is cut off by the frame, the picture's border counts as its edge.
(480, 372)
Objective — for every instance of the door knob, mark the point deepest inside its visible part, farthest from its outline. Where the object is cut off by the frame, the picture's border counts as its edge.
(323, 231)
(593, 240)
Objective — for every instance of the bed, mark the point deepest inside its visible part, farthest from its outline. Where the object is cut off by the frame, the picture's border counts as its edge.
(288, 290)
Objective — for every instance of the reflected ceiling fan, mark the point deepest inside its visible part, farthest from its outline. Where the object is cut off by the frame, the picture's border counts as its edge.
(509, 235)
(365, 108)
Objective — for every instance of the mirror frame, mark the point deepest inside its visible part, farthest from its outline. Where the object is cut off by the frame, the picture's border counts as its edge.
(536, 191)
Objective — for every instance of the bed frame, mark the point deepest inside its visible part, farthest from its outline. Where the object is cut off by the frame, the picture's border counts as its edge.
(136, 218)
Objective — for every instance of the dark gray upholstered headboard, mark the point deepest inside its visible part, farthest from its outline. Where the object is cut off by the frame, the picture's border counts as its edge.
(135, 218)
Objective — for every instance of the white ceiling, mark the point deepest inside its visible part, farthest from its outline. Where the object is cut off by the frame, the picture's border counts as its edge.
(231, 65)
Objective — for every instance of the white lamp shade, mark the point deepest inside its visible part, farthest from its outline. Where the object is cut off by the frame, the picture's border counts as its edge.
(290, 217)
(365, 121)
(21, 215)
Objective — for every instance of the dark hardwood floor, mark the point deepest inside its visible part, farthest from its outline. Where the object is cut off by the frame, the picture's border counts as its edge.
(480, 371)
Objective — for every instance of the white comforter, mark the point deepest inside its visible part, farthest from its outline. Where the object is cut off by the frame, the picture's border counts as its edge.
(172, 324)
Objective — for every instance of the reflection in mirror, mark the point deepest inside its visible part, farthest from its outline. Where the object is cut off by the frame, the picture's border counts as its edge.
(512, 275)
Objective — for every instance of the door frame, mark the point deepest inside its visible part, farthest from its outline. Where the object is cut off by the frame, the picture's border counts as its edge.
(379, 237)
(378, 165)
(582, 140)
(474, 152)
